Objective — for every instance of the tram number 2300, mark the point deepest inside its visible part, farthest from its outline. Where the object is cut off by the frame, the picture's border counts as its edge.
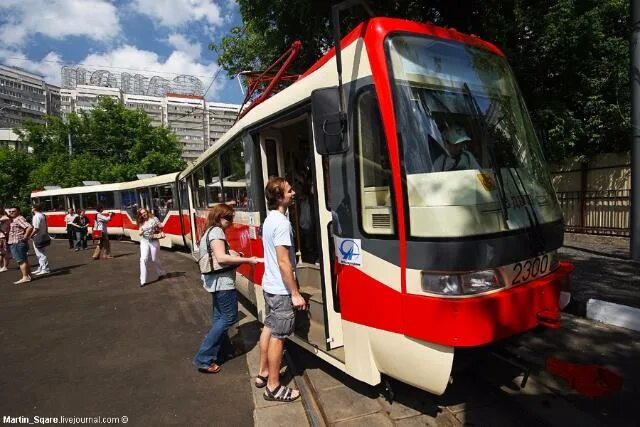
(530, 269)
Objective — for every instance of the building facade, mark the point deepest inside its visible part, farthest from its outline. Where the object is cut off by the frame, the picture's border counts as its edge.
(25, 96)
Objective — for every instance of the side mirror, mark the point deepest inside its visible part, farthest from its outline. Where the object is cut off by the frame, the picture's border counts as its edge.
(329, 123)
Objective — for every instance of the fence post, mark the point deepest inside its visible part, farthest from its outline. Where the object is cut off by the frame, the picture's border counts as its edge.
(584, 175)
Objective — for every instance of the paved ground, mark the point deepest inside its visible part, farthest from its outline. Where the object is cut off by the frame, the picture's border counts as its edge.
(87, 341)
(603, 271)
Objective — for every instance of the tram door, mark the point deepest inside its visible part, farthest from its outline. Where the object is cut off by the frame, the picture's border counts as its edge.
(287, 150)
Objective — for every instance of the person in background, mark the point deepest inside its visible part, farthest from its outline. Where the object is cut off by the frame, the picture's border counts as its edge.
(104, 247)
(71, 230)
(221, 285)
(457, 157)
(150, 233)
(5, 254)
(280, 290)
(81, 225)
(19, 233)
(40, 227)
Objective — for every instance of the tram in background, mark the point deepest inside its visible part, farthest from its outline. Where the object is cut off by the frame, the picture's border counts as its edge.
(157, 194)
(402, 261)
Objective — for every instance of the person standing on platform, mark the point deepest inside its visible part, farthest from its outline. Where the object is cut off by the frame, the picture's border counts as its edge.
(104, 247)
(19, 233)
(40, 229)
(80, 225)
(71, 230)
(5, 254)
(150, 235)
(222, 286)
(280, 290)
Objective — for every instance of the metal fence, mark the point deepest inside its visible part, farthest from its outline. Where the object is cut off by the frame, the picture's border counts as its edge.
(604, 212)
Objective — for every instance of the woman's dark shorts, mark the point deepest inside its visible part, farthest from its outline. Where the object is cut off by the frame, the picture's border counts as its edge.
(19, 251)
(279, 315)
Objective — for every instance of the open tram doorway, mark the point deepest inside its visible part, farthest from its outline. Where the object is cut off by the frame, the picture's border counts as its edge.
(287, 150)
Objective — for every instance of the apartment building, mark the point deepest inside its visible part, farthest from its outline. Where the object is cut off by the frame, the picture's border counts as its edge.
(25, 96)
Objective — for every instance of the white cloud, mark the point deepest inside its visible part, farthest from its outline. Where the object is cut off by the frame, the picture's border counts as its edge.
(48, 67)
(175, 13)
(96, 19)
(183, 44)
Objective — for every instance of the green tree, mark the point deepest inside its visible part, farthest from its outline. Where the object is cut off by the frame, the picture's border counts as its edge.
(14, 176)
(110, 144)
(570, 56)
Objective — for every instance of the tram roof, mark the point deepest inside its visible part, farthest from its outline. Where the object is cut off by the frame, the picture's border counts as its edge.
(156, 180)
(314, 78)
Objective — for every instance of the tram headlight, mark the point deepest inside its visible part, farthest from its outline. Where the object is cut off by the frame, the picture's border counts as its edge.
(461, 284)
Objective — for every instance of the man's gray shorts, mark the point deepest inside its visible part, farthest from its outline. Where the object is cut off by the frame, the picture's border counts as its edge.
(279, 315)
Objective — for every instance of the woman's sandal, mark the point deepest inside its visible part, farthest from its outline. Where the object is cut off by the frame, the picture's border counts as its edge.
(263, 381)
(280, 394)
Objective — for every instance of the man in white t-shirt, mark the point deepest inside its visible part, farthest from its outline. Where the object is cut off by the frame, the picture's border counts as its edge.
(281, 294)
(40, 228)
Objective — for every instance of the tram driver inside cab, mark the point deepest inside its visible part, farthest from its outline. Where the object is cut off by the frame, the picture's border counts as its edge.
(456, 156)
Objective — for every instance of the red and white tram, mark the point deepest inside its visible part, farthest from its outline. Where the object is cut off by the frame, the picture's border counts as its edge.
(404, 255)
(158, 194)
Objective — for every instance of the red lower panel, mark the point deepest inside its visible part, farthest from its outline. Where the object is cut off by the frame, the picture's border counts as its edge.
(459, 322)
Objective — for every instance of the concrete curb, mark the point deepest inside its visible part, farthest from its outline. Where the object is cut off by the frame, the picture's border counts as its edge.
(614, 314)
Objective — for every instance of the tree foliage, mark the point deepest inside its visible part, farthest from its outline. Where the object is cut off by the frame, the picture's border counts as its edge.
(14, 175)
(571, 57)
(109, 144)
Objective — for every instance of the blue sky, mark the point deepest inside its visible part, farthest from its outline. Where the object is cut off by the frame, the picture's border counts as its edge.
(150, 37)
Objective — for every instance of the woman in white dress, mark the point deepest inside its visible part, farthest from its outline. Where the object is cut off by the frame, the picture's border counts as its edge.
(150, 235)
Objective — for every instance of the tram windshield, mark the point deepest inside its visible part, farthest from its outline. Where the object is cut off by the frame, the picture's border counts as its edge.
(471, 159)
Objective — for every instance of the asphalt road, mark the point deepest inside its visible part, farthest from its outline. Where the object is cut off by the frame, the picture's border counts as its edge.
(86, 341)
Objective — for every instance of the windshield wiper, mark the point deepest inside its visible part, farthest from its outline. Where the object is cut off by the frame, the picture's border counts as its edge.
(480, 119)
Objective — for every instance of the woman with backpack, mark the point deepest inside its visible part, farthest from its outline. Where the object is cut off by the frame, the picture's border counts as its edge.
(221, 284)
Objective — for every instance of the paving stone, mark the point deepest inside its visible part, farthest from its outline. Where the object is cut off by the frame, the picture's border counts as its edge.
(343, 403)
(373, 420)
(444, 419)
(284, 414)
(323, 380)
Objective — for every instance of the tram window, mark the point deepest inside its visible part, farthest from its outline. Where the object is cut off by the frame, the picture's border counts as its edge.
(212, 179)
(45, 203)
(271, 149)
(184, 196)
(162, 200)
(106, 200)
(201, 189)
(129, 200)
(89, 201)
(198, 190)
(57, 203)
(374, 170)
(233, 172)
(74, 201)
(145, 201)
